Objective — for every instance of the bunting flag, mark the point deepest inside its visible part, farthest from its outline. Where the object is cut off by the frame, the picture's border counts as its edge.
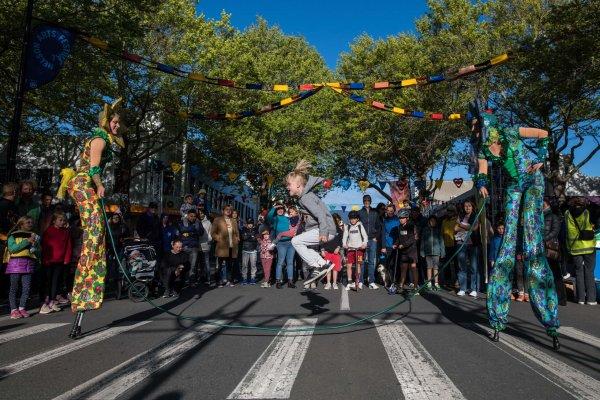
(195, 171)
(332, 207)
(232, 176)
(343, 208)
(403, 112)
(381, 184)
(452, 74)
(363, 185)
(345, 184)
(270, 180)
(458, 182)
(355, 207)
(49, 49)
(214, 174)
(250, 113)
(439, 183)
(327, 183)
(175, 167)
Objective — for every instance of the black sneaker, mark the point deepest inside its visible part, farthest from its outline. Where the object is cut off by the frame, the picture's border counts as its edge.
(291, 285)
(317, 273)
(278, 284)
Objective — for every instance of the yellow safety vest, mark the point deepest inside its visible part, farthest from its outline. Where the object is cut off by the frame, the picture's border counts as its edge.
(575, 245)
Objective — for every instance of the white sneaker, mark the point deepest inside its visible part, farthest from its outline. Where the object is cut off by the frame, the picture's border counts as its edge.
(45, 309)
(460, 293)
(581, 302)
(350, 285)
(360, 285)
(327, 286)
(592, 303)
(473, 294)
(335, 286)
(567, 276)
(372, 285)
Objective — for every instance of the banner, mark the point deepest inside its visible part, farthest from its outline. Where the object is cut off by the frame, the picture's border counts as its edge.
(399, 192)
(49, 49)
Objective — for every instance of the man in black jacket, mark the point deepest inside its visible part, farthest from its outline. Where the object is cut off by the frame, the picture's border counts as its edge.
(149, 227)
(552, 225)
(369, 217)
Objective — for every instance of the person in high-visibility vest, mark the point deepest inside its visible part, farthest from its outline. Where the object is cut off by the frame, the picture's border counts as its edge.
(581, 244)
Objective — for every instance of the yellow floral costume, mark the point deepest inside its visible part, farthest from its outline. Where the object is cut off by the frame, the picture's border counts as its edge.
(88, 288)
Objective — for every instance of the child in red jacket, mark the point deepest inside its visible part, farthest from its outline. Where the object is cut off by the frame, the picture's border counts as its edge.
(56, 255)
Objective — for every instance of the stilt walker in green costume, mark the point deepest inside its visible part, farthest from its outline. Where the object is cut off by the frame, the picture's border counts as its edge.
(524, 194)
(86, 188)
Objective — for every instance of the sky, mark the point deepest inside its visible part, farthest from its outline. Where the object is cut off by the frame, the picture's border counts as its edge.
(330, 26)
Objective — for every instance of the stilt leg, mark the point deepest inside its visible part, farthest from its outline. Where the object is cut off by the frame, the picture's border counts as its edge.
(76, 328)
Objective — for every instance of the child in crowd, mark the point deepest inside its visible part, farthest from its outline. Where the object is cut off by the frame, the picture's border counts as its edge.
(56, 255)
(249, 244)
(188, 204)
(266, 255)
(495, 243)
(432, 249)
(318, 226)
(355, 242)
(407, 249)
(22, 246)
(331, 251)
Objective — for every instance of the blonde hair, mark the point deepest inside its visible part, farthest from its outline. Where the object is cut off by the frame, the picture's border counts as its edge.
(57, 215)
(20, 222)
(300, 171)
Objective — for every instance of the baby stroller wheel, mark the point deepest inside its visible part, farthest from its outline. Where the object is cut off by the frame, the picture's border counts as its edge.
(138, 291)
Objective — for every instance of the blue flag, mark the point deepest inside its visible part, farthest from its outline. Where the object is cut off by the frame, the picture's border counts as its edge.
(49, 48)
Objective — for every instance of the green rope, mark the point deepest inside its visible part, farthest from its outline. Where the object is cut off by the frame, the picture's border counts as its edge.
(270, 329)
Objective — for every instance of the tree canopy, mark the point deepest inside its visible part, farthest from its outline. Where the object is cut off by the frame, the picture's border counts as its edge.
(552, 82)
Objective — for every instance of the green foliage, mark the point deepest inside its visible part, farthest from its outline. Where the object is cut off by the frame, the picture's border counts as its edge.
(553, 85)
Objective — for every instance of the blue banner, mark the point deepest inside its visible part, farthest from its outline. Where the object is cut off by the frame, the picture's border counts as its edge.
(49, 48)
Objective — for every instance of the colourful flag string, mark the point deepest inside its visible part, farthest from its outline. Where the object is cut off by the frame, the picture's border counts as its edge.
(449, 75)
(436, 116)
(288, 101)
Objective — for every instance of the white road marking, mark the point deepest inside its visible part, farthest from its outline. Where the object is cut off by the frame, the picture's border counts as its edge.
(117, 380)
(85, 341)
(32, 330)
(571, 380)
(273, 374)
(345, 300)
(419, 375)
(580, 335)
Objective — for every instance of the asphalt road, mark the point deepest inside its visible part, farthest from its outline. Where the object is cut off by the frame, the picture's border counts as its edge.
(434, 346)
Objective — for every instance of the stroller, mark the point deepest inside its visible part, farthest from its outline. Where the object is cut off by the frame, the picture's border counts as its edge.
(140, 261)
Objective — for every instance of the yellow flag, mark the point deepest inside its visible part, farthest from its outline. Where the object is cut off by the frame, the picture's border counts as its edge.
(175, 167)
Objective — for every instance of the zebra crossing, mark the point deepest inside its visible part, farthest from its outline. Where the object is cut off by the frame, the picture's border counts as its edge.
(277, 368)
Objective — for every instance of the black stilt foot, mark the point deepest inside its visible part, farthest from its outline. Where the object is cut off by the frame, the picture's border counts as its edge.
(76, 328)
(496, 336)
(555, 343)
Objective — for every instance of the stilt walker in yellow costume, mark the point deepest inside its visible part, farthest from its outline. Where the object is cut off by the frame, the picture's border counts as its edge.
(86, 188)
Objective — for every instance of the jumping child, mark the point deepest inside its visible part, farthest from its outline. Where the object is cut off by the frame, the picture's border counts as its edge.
(319, 226)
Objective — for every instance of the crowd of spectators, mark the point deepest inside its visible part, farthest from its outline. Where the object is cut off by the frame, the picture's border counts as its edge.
(40, 240)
